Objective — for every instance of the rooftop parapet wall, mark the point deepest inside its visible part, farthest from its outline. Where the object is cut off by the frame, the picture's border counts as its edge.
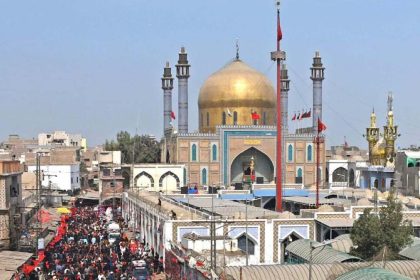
(10, 167)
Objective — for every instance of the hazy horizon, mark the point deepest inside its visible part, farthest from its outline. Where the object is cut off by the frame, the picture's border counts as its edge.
(94, 67)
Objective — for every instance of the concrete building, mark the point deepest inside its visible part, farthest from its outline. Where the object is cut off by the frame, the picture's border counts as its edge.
(62, 138)
(408, 172)
(10, 203)
(180, 226)
(60, 170)
(166, 178)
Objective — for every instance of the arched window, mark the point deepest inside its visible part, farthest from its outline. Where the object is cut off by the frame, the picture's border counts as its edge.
(242, 241)
(309, 153)
(340, 175)
(235, 118)
(290, 153)
(208, 119)
(264, 122)
(194, 152)
(299, 173)
(224, 118)
(204, 176)
(214, 152)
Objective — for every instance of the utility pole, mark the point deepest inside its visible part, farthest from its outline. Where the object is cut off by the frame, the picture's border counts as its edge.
(246, 231)
(38, 200)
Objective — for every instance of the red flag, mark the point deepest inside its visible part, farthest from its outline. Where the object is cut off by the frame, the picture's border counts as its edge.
(294, 117)
(309, 114)
(304, 115)
(279, 33)
(321, 126)
(255, 116)
(172, 115)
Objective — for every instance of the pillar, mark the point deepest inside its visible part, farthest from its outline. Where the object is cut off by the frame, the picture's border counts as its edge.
(317, 76)
(182, 73)
(167, 86)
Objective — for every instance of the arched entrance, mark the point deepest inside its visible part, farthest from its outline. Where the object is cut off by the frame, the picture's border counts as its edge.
(169, 180)
(263, 167)
(291, 237)
(340, 175)
(144, 180)
(126, 176)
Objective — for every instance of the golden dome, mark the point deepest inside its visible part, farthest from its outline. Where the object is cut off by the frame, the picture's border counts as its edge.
(379, 148)
(238, 89)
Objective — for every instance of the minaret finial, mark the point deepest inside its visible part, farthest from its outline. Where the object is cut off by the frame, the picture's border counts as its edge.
(390, 99)
(237, 49)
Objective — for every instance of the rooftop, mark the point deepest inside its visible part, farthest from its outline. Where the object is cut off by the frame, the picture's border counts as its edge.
(321, 271)
(228, 209)
(320, 253)
(10, 261)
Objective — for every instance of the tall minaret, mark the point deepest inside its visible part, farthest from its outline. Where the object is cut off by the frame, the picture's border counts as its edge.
(317, 76)
(284, 100)
(390, 135)
(167, 86)
(372, 136)
(182, 73)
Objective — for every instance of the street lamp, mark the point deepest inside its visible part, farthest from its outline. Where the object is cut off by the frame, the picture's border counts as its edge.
(312, 247)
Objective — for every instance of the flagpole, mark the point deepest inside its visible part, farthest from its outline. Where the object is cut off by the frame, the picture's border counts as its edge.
(279, 159)
(318, 140)
(317, 168)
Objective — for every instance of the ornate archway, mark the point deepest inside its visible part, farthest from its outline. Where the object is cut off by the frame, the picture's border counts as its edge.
(144, 179)
(169, 173)
(340, 175)
(263, 166)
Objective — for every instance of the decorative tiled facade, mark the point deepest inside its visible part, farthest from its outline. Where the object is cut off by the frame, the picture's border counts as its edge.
(276, 234)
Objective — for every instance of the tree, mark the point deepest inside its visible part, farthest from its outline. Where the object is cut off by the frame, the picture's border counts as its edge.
(386, 230)
(366, 235)
(396, 232)
(146, 148)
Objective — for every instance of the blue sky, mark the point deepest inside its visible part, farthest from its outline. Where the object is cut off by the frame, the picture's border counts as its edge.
(94, 67)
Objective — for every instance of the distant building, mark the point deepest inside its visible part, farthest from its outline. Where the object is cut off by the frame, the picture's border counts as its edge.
(165, 178)
(342, 163)
(379, 172)
(60, 169)
(10, 202)
(15, 147)
(408, 172)
(61, 138)
(110, 175)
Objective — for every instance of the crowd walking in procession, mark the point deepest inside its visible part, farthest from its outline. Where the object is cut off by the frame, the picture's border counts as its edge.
(91, 244)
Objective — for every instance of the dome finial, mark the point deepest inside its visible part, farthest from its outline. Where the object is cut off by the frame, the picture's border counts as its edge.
(237, 49)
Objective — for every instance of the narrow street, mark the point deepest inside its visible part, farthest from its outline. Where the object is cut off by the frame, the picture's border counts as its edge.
(89, 244)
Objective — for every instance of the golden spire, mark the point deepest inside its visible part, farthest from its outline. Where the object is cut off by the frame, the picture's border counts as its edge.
(390, 118)
(373, 119)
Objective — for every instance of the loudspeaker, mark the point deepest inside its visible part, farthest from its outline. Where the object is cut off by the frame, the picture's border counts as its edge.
(184, 190)
(260, 180)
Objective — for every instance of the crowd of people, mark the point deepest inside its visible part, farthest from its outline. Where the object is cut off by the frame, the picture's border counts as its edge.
(84, 252)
